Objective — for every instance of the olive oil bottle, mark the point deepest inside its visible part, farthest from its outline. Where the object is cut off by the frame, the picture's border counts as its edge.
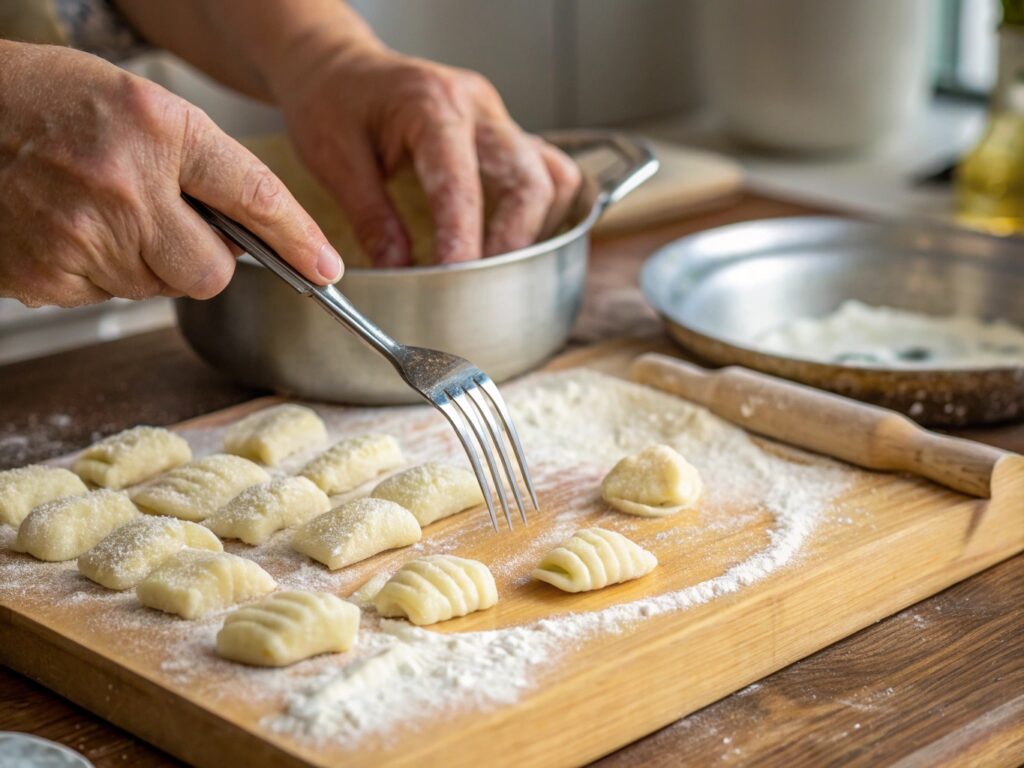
(990, 179)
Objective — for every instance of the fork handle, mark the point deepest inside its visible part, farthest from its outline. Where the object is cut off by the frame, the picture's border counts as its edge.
(327, 296)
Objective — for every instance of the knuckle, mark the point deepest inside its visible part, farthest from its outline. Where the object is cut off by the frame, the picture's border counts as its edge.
(213, 281)
(147, 103)
(263, 196)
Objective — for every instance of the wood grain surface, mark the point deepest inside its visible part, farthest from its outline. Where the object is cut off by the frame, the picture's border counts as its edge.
(971, 633)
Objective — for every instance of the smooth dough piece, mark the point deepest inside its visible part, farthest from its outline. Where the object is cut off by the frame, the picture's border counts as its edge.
(258, 512)
(196, 490)
(352, 462)
(273, 434)
(65, 528)
(192, 583)
(288, 627)
(432, 491)
(656, 482)
(355, 531)
(24, 488)
(132, 456)
(437, 588)
(593, 558)
(126, 556)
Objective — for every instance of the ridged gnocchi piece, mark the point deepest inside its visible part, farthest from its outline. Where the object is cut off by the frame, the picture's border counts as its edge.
(127, 555)
(65, 528)
(196, 490)
(656, 482)
(351, 462)
(355, 531)
(593, 558)
(288, 627)
(24, 488)
(258, 512)
(192, 583)
(273, 434)
(437, 588)
(432, 491)
(132, 456)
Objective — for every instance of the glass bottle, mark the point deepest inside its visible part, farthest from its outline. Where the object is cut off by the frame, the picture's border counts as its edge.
(990, 179)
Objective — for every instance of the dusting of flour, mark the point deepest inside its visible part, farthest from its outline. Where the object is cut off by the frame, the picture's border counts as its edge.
(574, 426)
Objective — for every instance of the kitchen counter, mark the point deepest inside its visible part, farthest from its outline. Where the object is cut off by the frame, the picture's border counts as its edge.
(938, 683)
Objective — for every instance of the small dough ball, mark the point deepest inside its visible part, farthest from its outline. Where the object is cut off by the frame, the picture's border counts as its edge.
(193, 583)
(355, 531)
(656, 482)
(437, 588)
(288, 627)
(432, 491)
(23, 489)
(259, 512)
(594, 558)
(132, 456)
(350, 463)
(273, 434)
(65, 528)
(126, 556)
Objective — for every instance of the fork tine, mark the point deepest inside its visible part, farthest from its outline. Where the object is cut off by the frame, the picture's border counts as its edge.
(480, 401)
(485, 383)
(459, 398)
(452, 414)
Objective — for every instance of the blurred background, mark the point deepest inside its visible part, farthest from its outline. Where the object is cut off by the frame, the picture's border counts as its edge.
(859, 105)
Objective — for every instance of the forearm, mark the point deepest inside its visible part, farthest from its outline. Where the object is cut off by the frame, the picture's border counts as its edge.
(252, 47)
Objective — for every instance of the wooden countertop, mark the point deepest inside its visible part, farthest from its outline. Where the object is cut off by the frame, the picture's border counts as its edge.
(937, 684)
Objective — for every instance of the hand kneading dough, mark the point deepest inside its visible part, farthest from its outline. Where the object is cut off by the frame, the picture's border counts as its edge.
(594, 558)
(432, 491)
(196, 490)
(355, 531)
(65, 528)
(192, 583)
(288, 627)
(132, 456)
(654, 483)
(258, 512)
(437, 588)
(27, 487)
(126, 556)
(274, 434)
(352, 462)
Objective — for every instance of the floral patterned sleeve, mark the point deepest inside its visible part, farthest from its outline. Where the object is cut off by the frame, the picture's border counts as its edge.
(95, 26)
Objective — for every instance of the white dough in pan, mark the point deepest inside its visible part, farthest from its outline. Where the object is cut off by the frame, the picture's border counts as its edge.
(432, 491)
(132, 456)
(355, 531)
(258, 512)
(25, 488)
(353, 461)
(273, 434)
(65, 528)
(196, 490)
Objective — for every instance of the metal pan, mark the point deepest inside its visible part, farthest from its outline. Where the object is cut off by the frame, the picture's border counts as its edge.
(506, 314)
(719, 289)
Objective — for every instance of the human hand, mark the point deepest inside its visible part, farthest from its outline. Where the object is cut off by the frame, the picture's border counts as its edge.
(356, 113)
(93, 161)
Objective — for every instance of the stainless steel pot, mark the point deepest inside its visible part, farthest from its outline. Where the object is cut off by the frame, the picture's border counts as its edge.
(506, 314)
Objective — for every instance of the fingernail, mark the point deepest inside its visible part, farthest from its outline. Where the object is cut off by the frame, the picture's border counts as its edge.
(328, 264)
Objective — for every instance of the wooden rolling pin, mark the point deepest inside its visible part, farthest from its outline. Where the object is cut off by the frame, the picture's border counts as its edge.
(855, 432)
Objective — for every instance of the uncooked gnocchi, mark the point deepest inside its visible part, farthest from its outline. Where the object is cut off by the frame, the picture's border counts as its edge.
(65, 528)
(126, 556)
(350, 463)
(131, 456)
(593, 558)
(288, 627)
(193, 583)
(258, 512)
(653, 483)
(196, 490)
(273, 434)
(437, 588)
(432, 491)
(25, 488)
(355, 531)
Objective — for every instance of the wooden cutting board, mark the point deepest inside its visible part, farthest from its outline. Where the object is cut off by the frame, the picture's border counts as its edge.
(888, 542)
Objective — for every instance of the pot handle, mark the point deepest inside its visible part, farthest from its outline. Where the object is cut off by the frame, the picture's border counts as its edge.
(633, 164)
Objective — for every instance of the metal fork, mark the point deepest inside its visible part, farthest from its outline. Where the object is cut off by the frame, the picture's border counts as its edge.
(463, 393)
